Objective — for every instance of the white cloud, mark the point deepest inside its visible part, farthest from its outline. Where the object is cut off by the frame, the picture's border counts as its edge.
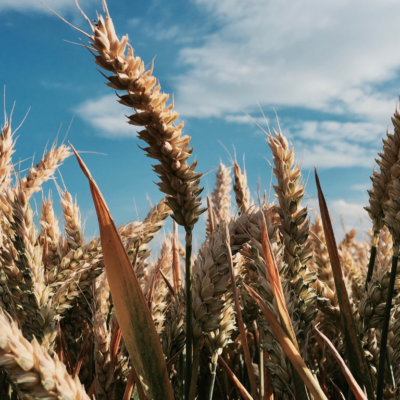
(328, 144)
(134, 22)
(245, 119)
(352, 214)
(107, 116)
(325, 56)
(363, 187)
(26, 6)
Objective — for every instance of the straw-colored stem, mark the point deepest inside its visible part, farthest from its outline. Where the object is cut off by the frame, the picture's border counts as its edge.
(196, 361)
(385, 325)
(210, 216)
(130, 385)
(175, 260)
(189, 328)
(210, 391)
(242, 390)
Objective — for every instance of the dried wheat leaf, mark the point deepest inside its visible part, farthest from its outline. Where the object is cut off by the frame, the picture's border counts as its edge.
(133, 315)
(345, 370)
(289, 348)
(355, 354)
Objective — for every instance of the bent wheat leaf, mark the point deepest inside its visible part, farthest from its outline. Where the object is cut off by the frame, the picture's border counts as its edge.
(346, 372)
(239, 318)
(289, 348)
(277, 285)
(241, 389)
(356, 357)
(133, 315)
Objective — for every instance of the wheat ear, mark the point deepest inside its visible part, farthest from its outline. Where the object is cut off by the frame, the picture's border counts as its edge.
(6, 151)
(294, 227)
(44, 170)
(220, 196)
(72, 218)
(50, 234)
(33, 371)
(242, 191)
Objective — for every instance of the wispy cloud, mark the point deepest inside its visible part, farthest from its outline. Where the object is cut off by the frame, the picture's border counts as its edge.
(107, 116)
(322, 56)
(352, 214)
(330, 144)
(26, 6)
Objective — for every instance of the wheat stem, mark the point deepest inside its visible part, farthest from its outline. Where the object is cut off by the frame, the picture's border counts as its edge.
(370, 266)
(214, 359)
(189, 312)
(196, 361)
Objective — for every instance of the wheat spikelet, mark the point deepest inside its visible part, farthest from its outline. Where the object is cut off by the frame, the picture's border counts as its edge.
(173, 337)
(242, 192)
(166, 143)
(372, 304)
(50, 233)
(6, 151)
(72, 218)
(156, 287)
(321, 255)
(44, 170)
(33, 371)
(294, 227)
(36, 315)
(220, 196)
(212, 307)
(104, 386)
(381, 181)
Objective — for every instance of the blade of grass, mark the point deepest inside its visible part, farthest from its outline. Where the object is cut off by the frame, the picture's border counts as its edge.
(355, 354)
(281, 304)
(142, 394)
(241, 389)
(171, 361)
(79, 360)
(134, 317)
(338, 390)
(277, 285)
(345, 370)
(289, 348)
(169, 286)
(92, 388)
(242, 330)
(130, 385)
(115, 341)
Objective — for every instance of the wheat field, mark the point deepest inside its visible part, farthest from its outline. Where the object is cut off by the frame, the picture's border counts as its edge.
(269, 307)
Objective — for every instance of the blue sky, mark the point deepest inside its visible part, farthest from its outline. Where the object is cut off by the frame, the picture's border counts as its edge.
(329, 69)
